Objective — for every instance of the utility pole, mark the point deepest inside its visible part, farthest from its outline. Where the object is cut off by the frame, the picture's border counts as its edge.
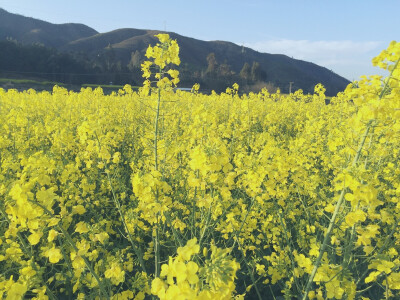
(290, 87)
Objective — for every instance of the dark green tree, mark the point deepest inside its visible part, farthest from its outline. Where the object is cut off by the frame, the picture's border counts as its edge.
(257, 73)
(135, 61)
(245, 73)
(212, 63)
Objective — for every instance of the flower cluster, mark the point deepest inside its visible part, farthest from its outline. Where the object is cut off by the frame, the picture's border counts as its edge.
(164, 53)
(182, 278)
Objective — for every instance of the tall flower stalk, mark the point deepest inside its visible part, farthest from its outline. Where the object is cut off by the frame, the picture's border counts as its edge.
(161, 56)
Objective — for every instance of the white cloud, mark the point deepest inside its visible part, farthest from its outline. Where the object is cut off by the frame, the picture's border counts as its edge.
(347, 58)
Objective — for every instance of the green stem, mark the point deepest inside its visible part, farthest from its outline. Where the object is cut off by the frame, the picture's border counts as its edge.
(388, 79)
(206, 226)
(383, 248)
(291, 257)
(99, 282)
(334, 216)
(347, 254)
(70, 240)
(156, 238)
(157, 251)
(248, 268)
(174, 232)
(370, 126)
(156, 121)
(30, 254)
(137, 250)
(243, 222)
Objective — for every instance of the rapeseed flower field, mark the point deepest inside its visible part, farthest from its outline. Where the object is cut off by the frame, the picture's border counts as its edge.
(168, 194)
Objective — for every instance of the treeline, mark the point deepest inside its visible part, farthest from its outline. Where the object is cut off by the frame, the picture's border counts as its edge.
(39, 62)
(218, 76)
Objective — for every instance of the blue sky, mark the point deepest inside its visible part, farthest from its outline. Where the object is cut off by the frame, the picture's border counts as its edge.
(340, 35)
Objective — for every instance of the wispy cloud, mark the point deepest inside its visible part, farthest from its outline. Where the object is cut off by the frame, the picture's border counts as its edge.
(347, 58)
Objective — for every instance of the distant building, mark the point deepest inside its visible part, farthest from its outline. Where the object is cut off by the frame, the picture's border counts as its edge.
(184, 89)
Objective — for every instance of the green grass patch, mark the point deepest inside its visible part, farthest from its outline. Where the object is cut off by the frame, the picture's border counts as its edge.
(108, 86)
(28, 81)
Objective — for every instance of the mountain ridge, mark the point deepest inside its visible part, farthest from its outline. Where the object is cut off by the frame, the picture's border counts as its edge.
(119, 46)
(31, 30)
